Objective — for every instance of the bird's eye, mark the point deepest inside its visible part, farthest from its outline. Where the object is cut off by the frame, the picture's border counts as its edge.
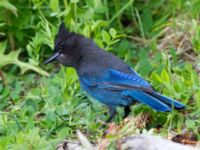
(60, 45)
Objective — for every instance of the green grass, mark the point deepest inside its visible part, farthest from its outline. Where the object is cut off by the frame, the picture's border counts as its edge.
(40, 106)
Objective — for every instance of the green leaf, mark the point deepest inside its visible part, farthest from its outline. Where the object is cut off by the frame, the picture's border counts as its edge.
(71, 75)
(9, 6)
(12, 58)
(3, 46)
(31, 103)
(1, 25)
(165, 76)
(147, 21)
(61, 110)
(99, 7)
(97, 24)
(155, 77)
(99, 42)
(114, 41)
(65, 12)
(51, 116)
(54, 4)
(105, 36)
(197, 98)
(90, 3)
(190, 124)
(113, 32)
(1, 88)
(74, 1)
(173, 53)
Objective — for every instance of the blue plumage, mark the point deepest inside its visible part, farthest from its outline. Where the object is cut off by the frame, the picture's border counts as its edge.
(105, 77)
(115, 86)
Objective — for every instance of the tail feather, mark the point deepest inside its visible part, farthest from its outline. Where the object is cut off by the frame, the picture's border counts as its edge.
(149, 100)
(167, 100)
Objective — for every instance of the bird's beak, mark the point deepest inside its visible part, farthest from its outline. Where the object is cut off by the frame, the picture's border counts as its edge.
(52, 58)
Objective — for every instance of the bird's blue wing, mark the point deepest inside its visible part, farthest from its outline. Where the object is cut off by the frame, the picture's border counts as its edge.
(134, 86)
(129, 79)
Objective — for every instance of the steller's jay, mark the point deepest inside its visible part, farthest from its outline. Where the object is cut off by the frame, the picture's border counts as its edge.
(105, 77)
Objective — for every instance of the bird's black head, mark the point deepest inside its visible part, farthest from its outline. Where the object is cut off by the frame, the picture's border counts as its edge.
(68, 47)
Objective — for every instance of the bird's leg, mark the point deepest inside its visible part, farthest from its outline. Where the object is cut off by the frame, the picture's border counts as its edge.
(127, 111)
(112, 112)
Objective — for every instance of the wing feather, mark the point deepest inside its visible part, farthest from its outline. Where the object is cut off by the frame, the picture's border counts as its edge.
(116, 81)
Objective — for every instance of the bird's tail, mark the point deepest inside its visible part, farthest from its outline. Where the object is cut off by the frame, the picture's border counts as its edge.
(167, 100)
(155, 100)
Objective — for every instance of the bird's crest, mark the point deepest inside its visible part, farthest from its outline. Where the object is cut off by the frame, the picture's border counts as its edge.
(63, 34)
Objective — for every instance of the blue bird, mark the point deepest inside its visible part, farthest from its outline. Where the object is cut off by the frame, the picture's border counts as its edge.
(105, 77)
